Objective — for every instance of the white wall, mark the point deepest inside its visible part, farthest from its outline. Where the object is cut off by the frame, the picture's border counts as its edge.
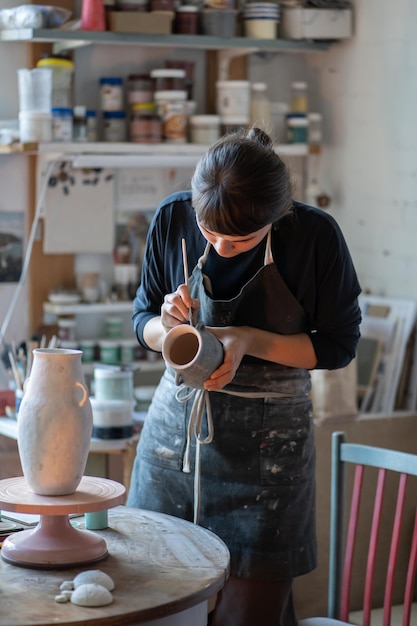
(366, 89)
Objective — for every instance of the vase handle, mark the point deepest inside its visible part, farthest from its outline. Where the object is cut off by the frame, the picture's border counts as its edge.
(85, 393)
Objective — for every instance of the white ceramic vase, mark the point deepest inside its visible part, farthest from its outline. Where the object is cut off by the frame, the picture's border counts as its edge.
(55, 422)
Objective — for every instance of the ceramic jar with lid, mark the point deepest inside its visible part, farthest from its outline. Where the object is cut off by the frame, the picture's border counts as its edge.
(205, 129)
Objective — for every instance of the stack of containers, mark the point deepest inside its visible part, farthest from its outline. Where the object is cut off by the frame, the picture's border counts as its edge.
(297, 120)
(113, 403)
(35, 102)
(62, 95)
(261, 20)
(144, 122)
(112, 109)
(170, 97)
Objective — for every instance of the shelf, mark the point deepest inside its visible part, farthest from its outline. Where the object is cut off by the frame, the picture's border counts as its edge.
(116, 155)
(71, 38)
(77, 309)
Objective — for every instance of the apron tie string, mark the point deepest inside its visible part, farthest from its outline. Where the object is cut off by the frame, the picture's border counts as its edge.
(201, 406)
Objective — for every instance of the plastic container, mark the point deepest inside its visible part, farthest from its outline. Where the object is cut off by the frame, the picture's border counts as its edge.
(88, 348)
(113, 327)
(66, 329)
(219, 23)
(109, 351)
(299, 100)
(260, 27)
(128, 350)
(187, 20)
(111, 94)
(167, 79)
(79, 123)
(297, 128)
(61, 124)
(233, 101)
(62, 80)
(205, 129)
(139, 88)
(113, 383)
(172, 109)
(114, 126)
(145, 123)
(260, 106)
(35, 89)
(112, 419)
(35, 126)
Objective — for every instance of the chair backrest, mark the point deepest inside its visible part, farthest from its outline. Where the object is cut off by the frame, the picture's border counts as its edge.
(388, 505)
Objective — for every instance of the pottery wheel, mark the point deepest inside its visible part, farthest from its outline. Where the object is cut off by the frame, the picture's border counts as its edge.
(54, 542)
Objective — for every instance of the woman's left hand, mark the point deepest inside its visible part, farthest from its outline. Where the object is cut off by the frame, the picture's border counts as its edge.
(234, 340)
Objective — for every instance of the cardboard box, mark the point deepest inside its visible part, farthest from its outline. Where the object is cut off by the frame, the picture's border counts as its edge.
(300, 23)
(141, 22)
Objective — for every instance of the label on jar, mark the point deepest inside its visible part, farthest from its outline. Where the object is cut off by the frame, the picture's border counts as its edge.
(174, 120)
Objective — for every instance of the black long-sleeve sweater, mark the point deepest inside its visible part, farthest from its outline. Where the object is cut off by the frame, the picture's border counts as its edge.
(309, 251)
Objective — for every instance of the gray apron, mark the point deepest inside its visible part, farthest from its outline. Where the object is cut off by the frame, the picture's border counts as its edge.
(257, 474)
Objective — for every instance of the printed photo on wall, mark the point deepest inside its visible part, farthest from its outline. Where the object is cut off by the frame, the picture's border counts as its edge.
(11, 245)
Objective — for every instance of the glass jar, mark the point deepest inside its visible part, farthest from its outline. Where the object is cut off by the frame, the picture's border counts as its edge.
(299, 103)
(79, 123)
(91, 125)
(61, 124)
(145, 123)
(186, 20)
(314, 133)
(172, 109)
(260, 106)
(139, 88)
(111, 94)
(168, 78)
(114, 126)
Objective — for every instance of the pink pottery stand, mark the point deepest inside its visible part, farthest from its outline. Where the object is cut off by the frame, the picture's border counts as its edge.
(54, 542)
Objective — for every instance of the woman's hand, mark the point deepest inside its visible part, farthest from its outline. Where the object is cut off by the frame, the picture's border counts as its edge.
(176, 307)
(234, 340)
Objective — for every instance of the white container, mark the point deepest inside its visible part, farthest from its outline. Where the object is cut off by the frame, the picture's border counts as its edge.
(66, 329)
(113, 383)
(205, 129)
(35, 89)
(111, 94)
(61, 124)
(260, 28)
(62, 80)
(35, 126)
(316, 23)
(112, 419)
(233, 101)
(172, 109)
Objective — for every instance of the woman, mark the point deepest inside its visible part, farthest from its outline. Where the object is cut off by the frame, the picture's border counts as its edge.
(274, 281)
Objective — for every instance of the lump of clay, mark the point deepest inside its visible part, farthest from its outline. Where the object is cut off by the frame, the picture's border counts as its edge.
(91, 595)
(94, 576)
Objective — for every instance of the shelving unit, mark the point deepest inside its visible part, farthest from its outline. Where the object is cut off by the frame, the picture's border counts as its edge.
(83, 308)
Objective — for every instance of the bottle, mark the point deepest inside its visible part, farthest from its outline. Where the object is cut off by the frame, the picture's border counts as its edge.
(314, 133)
(79, 123)
(260, 106)
(299, 103)
(145, 123)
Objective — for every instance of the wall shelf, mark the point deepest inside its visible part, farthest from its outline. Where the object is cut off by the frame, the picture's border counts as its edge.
(64, 39)
(81, 308)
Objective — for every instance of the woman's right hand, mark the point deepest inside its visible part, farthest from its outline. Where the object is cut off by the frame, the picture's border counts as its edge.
(176, 307)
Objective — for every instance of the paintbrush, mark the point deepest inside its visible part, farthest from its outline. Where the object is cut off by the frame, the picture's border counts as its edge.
(186, 278)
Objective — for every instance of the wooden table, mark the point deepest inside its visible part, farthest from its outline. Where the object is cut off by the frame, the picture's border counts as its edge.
(164, 569)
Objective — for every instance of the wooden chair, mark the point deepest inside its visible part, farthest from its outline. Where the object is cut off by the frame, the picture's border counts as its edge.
(390, 555)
